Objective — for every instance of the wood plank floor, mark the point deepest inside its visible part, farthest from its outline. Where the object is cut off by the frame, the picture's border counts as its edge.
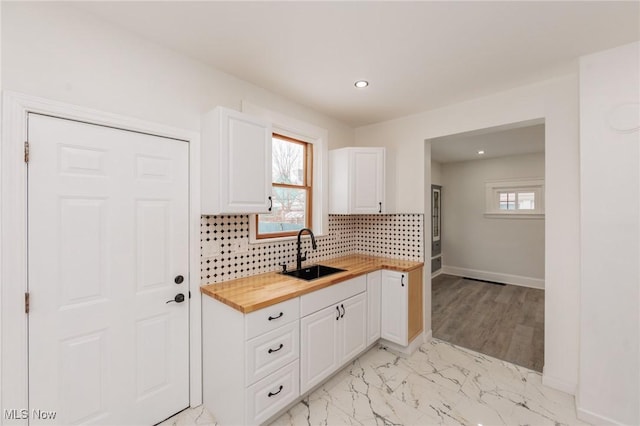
(506, 322)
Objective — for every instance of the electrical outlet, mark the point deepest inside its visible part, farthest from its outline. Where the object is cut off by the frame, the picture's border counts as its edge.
(239, 245)
(210, 249)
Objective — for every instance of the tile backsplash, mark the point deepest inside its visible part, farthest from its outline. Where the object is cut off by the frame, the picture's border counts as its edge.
(397, 236)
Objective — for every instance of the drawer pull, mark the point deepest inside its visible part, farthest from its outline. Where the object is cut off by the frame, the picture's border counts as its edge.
(342, 306)
(275, 350)
(402, 280)
(275, 393)
(338, 309)
(275, 318)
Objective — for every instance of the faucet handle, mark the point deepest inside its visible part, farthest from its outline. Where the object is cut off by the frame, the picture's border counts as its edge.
(303, 258)
(284, 267)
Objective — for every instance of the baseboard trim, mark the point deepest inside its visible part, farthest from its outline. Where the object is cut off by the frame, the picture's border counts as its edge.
(558, 384)
(428, 336)
(494, 276)
(436, 273)
(593, 418)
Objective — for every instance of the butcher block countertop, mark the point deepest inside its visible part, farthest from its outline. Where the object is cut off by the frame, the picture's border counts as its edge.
(259, 291)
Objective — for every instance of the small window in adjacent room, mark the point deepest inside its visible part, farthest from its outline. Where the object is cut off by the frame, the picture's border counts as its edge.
(519, 198)
(292, 173)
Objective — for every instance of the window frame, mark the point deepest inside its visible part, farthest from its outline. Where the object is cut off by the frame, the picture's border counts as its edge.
(307, 186)
(493, 189)
(284, 124)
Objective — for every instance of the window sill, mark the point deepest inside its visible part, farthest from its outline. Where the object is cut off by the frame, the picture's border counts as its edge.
(305, 236)
(514, 215)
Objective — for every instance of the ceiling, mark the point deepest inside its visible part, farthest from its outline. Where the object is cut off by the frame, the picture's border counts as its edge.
(517, 139)
(416, 55)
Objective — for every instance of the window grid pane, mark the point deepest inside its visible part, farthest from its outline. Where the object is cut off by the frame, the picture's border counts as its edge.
(507, 200)
(288, 162)
(526, 200)
(291, 189)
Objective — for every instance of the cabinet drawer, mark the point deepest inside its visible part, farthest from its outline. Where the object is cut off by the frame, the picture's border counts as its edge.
(266, 353)
(271, 394)
(272, 317)
(312, 302)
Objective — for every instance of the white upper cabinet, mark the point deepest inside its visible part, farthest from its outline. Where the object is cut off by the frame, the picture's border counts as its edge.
(357, 181)
(236, 163)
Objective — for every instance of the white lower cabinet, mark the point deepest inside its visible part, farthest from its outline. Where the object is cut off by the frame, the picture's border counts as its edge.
(319, 355)
(250, 362)
(353, 327)
(270, 395)
(394, 307)
(373, 306)
(331, 337)
(401, 306)
(256, 364)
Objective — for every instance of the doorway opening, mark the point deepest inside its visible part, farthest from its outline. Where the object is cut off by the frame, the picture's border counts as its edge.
(487, 241)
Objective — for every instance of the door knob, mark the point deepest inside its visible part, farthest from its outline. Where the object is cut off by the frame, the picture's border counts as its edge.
(178, 299)
(179, 279)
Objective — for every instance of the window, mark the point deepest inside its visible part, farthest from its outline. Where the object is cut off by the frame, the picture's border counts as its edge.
(292, 164)
(520, 198)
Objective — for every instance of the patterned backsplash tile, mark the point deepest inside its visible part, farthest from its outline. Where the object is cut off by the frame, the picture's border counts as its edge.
(397, 236)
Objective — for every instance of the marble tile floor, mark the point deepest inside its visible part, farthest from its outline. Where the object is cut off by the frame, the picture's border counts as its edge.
(440, 384)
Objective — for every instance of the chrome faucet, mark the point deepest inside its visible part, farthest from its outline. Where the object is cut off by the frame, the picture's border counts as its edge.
(299, 257)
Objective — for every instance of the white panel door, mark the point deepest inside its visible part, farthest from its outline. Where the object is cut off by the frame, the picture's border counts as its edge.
(367, 191)
(319, 354)
(395, 290)
(353, 327)
(108, 234)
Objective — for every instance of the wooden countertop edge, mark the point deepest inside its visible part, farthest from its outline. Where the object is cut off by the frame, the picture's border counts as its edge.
(304, 287)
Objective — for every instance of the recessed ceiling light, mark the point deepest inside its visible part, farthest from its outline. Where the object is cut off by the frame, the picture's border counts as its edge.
(481, 152)
(361, 84)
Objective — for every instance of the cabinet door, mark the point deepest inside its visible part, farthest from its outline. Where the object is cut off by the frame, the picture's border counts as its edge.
(367, 180)
(236, 163)
(319, 356)
(248, 161)
(373, 306)
(394, 307)
(353, 327)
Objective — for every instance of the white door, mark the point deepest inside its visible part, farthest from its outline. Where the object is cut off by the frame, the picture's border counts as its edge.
(319, 356)
(353, 326)
(367, 190)
(108, 236)
(394, 307)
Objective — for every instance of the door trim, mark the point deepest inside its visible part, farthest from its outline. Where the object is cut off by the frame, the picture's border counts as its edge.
(13, 232)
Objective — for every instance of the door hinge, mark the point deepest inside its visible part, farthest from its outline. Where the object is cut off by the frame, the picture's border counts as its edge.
(26, 152)
(26, 303)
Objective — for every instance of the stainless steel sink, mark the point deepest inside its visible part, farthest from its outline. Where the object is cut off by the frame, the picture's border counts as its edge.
(313, 272)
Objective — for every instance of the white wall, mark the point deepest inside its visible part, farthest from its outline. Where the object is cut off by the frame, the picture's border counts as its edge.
(502, 249)
(62, 53)
(555, 101)
(609, 388)
(436, 174)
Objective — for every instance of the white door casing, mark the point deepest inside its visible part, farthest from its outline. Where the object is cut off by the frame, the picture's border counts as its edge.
(108, 232)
